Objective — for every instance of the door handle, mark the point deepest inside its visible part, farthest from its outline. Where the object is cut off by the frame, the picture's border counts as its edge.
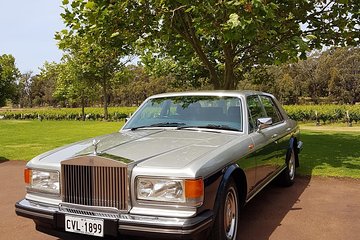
(288, 129)
(274, 136)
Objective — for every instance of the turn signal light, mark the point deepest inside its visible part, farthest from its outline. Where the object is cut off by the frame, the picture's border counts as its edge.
(27, 175)
(194, 189)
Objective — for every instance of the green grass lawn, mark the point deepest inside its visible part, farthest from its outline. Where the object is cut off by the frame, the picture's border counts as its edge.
(328, 150)
(23, 140)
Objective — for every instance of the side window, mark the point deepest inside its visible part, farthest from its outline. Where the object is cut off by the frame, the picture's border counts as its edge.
(255, 110)
(271, 109)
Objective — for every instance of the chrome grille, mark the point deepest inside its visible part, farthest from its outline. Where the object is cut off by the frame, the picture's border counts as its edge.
(95, 181)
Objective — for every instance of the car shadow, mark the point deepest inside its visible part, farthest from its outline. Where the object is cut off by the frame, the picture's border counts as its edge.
(265, 212)
(3, 159)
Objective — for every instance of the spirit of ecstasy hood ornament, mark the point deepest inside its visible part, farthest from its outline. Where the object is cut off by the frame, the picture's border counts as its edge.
(95, 144)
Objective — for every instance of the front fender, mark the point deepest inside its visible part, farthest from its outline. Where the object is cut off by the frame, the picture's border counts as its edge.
(232, 171)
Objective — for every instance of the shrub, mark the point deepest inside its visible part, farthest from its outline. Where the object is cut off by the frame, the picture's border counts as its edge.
(115, 113)
(324, 113)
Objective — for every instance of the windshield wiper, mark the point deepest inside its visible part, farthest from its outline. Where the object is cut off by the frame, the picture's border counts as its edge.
(212, 126)
(163, 124)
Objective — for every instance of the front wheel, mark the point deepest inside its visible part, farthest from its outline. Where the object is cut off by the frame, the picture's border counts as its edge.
(288, 175)
(226, 226)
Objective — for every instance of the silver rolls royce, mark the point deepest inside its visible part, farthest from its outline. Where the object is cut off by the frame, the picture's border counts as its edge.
(181, 167)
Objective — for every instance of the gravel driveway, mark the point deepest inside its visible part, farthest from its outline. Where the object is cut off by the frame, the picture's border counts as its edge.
(316, 208)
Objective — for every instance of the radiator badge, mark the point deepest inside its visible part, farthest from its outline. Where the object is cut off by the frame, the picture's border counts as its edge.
(95, 144)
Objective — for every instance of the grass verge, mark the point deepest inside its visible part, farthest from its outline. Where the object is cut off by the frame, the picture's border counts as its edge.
(332, 151)
(23, 140)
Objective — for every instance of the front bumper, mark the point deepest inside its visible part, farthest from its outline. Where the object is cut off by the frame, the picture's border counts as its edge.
(51, 220)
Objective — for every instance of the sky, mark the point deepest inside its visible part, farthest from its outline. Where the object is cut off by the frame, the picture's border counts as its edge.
(27, 29)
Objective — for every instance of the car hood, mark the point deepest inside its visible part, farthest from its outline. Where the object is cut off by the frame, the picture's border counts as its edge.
(153, 148)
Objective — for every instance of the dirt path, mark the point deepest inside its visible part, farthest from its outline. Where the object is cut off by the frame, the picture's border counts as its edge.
(317, 208)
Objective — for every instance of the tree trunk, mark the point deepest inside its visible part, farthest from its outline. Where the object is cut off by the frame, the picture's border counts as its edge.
(229, 76)
(105, 93)
(183, 25)
(83, 108)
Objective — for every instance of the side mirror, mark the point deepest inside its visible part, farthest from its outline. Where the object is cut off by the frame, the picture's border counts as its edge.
(263, 123)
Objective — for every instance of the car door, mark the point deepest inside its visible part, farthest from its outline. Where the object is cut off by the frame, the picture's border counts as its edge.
(269, 148)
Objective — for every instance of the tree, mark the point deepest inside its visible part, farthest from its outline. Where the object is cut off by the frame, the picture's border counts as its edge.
(228, 38)
(100, 53)
(44, 84)
(135, 85)
(344, 75)
(70, 85)
(24, 90)
(8, 76)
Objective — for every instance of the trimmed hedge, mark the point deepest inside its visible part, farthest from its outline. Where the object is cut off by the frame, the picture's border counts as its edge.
(303, 113)
(324, 113)
(115, 113)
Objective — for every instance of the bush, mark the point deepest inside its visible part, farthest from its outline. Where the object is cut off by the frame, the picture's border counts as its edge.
(115, 113)
(324, 113)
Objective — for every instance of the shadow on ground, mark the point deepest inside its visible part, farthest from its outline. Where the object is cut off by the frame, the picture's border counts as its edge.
(264, 213)
(3, 159)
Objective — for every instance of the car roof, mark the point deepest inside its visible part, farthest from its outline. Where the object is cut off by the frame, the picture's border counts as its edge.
(220, 93)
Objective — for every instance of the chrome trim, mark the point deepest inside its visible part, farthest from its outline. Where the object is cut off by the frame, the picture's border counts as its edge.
(35, 214)
(95, 211)
(151, 224)
(38, 206)
(164, 231)
(95, 181)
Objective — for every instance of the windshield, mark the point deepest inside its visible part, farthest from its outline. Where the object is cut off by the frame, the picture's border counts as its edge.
(183, 112)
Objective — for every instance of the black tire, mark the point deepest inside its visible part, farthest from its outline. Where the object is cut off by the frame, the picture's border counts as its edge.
(287, 177)
(226, 225)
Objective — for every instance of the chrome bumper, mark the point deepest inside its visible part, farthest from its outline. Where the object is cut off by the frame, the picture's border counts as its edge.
(124, 224)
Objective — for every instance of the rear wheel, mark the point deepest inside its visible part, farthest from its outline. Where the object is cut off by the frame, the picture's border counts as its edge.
(226, 226)
(288, 175)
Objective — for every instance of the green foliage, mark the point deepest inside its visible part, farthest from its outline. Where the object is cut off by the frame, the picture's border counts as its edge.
(95, 53)
(227, 38)
(8, 76)
(324, 113)
(332, 75)
(115, 113)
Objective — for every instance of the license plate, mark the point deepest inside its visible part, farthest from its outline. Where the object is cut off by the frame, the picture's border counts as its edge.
(84, 225)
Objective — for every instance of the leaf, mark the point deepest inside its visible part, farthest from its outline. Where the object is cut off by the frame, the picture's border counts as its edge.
(237, 2)
(65, 2)
(114, 34)
(310, 37)
(90, 5)
(190, 9)
(64, 32)
(233, 20)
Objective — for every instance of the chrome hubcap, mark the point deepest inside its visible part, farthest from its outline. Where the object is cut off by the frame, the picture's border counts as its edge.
(292, 166)
(230, 214)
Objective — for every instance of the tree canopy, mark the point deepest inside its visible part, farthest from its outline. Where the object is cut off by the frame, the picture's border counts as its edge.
(330, 76)
(227, 38)
(8, 76)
